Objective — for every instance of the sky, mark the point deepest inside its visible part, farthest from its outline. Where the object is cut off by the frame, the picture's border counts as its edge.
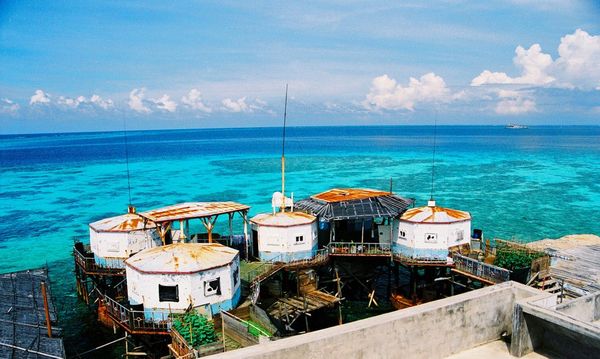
(100, 65)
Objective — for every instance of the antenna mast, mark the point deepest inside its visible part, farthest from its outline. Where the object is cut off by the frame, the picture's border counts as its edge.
(283, 152)
(433, 156)
(130, 207)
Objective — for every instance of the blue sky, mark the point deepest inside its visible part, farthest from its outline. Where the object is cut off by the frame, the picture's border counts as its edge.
(87, 65)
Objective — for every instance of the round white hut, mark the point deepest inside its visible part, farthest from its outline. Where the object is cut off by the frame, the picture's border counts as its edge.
(172, 278)
(113, 240)
(284, 236)
(427, 233)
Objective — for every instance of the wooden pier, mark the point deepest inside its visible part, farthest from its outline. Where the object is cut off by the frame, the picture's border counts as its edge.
(575, 262)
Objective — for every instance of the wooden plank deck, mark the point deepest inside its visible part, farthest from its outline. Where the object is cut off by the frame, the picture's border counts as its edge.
(575, 259)
(294, 306)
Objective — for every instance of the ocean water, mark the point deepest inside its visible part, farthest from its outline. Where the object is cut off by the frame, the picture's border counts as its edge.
(541, 182)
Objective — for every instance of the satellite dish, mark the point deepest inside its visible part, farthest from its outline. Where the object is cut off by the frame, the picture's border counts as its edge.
(277, 200)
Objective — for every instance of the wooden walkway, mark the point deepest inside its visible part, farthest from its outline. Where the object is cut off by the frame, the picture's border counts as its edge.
(575, 260)
(289, 309)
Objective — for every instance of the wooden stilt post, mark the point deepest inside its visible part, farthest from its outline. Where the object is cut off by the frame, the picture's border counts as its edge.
(46, 309)
(339, 295)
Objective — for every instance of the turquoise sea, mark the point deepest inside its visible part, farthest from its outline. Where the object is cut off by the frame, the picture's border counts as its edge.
(541, 182)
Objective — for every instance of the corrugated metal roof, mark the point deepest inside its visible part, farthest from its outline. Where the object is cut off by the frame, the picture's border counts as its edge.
(123, 223)
(360, 204)
(434, 214)
(191, 210)
(182, 258)
(348, 194)
(283, 219)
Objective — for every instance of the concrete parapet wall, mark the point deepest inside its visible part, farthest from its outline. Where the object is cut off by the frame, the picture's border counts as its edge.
(432, 330)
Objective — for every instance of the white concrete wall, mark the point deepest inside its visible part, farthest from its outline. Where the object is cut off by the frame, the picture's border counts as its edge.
(283, 239)
(142, 288)
(432, 330)
(447, 234)
(122, 244)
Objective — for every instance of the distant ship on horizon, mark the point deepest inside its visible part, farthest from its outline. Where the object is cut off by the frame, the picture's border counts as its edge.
(514, 126)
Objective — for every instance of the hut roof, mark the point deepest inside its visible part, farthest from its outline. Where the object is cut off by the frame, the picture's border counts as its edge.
(354, 203)
(191, 210)
(283, 219)
(434, 214)
(124, 223)
(182, 258)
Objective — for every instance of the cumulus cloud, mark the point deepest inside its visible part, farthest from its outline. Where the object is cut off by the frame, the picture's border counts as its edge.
(40, 97)
(387, 94)
(193, 100)
(165, 103)
(514, 103)
(100, 102)
(137, 101)
(578, 65)
(94, 100)
(238, 105)
(8, 106)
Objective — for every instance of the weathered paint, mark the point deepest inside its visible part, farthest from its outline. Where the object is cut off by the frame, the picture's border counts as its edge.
(428, 232)
(277, 242)
(419, 253)
(288, 257)
(283, 219)
(112, 247)
(142, 288)
(348, 194)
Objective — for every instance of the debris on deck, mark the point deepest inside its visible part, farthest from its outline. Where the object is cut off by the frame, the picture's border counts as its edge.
(288, 310)
(575, 261)
(24, 331)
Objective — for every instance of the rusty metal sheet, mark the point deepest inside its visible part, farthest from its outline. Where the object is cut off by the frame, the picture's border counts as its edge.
(182, 258)
(348, 194)
(124, 223)
(283, 219)
(435, 214)
(192, 210)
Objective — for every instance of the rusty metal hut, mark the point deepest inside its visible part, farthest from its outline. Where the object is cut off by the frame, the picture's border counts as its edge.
(355, 215)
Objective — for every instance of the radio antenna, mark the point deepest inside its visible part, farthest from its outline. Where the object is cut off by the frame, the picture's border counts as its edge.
(433, 156)
(283, 152)
(129, 206)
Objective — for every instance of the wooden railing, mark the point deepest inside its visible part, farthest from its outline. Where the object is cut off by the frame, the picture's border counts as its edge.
(138, 321)
(85, 260)
(488, 272)
(359, 249)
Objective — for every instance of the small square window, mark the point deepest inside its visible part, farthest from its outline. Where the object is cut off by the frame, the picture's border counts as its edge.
(212, 287)
(299, 239)
(236, 276)
(402, 235)
(168, 293)
(460, 235)
(430, 237)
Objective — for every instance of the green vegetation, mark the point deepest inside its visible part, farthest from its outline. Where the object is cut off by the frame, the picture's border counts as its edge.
(512, 259)
(256, 329)
(196, 329)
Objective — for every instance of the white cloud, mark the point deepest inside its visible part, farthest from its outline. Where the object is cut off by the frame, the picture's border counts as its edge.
(514, 103)
(40, 97)
(94, 100)
(387, 94)
(238, 105)
(100, 102)
(70, 102)
(578, 65)
(194, 101)
(8, 106)
(579, 62)
(165, 103)
(136, 101)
